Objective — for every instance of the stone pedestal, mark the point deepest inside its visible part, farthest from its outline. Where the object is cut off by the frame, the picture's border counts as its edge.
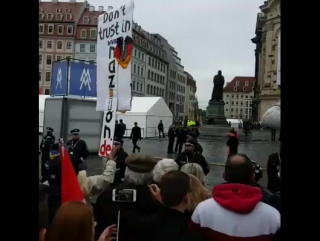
(215, 110)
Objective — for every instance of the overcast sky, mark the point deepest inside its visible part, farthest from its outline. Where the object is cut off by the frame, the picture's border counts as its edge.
(209, 35)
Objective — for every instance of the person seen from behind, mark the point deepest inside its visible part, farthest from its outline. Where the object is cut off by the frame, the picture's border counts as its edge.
(118, 130)
(74, 221)
(162, 167)
(135, 136)
(124, 127)
(138, 175)
(235, 210)
(273, 167)
(190, 156)
(170, 223)
(232, 143)
(171, 136)
(195, 170)
(198, 194)
(161, 129)
(182, 137)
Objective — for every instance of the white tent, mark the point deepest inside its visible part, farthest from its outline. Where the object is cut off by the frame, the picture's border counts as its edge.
(147, 112)
(42, 99)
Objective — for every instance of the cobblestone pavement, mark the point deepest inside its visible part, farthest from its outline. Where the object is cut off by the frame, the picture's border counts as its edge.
(214, 152)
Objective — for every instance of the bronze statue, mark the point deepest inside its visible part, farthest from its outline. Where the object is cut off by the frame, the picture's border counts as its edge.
(218, 83)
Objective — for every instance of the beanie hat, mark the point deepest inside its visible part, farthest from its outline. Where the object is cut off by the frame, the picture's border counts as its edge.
(140, 164)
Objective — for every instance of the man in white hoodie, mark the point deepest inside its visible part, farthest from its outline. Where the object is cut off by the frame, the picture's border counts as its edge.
(235, 211)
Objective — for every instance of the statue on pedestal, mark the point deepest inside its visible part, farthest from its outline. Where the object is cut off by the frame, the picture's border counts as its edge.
(218, 83)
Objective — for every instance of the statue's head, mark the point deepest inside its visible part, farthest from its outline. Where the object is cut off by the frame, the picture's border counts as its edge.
(219, 72)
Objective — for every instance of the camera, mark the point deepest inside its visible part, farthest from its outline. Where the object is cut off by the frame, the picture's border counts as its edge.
(124, 195)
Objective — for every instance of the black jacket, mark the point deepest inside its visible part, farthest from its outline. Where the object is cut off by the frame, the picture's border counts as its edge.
(78, 148)
(124, 127)
(106, 211)
(54, 199)
(171, 132)
(233, 144)
(46, 143)
(167, 225)
(184, 131)
(121, 167)
(135, 133)
(184, 158)
(118, 130)
(272, 172)
(160, 126)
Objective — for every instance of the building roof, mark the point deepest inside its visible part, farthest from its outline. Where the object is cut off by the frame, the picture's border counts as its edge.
(60, 9)
(242, 83)
(88, 20)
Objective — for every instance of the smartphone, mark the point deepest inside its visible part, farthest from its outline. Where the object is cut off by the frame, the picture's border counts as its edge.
(124, 195)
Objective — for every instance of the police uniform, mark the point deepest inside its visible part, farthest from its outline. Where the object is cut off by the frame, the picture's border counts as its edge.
(45, 145)
(77, 146)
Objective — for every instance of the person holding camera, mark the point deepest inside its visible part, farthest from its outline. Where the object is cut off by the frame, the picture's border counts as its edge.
(138, 174)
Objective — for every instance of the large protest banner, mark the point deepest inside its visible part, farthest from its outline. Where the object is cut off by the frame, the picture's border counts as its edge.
(114, 50)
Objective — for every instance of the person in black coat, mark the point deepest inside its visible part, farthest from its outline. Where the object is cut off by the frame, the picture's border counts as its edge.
(170, 223)
(191, 156)
(161, 129)
(45, 145)
(232, 142)
(135, 136)
(273, 167)
(138, 175)
(77, 147)
(182, 137)
(118, 130)
(124, 127)
(171, 136)
(120, 159)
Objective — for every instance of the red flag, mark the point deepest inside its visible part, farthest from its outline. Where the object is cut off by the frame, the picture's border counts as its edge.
(70, 188)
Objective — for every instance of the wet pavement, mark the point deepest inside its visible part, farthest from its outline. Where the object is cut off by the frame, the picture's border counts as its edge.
(214, 152)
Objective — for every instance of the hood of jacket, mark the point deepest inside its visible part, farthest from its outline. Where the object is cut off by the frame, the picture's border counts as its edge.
(237, 198)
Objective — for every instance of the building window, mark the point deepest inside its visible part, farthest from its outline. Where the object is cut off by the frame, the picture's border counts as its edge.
(95, 20)
(70, 30)
(59, 45)
(41, 16)
(82, 48)
(40, 58)
(244, 89)
(50, 29)
(49, 60)
(235, 88)
(58, 57)
(134, 68)
(40, 43)
(93, 33)
(47, 92)
(48, 76)
(141, 71)
(133, 85)
(142, 56)
(92, 48)
(49, 44)
(246, 83)
(237, 83)
(149, 74)
(50, 16)
(41, 28)
(60, 30)
(135, 53)
(83, 34)
(39, 76)
(138, 70)
(69, 45)
(59, 16)
(69, 16)
(85, 20)
(68, 56)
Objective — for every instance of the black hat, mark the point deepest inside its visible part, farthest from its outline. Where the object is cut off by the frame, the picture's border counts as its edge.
(50, 129)
(75, 132)
(117, 141)
(191, 142)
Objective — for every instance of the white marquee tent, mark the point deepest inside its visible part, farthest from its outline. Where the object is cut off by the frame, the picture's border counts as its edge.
(147, 112)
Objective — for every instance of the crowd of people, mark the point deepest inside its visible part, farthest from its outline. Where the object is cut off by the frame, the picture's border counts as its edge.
(143, 198)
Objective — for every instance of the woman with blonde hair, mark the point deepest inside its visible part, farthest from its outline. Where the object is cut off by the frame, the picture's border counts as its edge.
(74, 221)
(195, 170)
(198, 194)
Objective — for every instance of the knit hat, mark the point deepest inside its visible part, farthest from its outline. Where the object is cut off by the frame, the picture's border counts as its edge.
(140, 164)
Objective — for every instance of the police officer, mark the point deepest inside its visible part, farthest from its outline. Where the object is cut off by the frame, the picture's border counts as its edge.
(182, 137)
(171, 135)
(45, 145)
(77, 146)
